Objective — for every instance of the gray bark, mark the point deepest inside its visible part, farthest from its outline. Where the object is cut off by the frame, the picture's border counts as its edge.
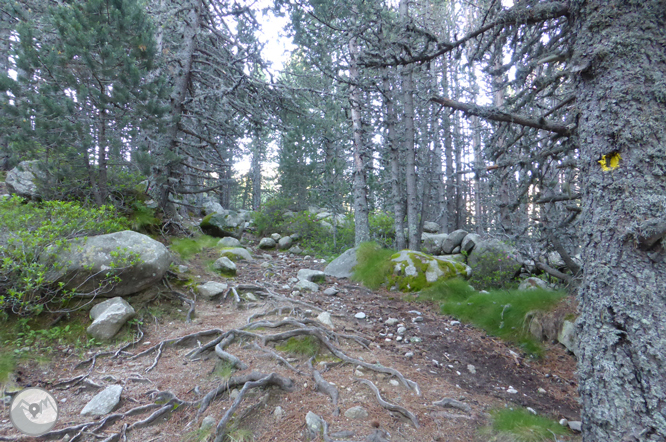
(620, 59)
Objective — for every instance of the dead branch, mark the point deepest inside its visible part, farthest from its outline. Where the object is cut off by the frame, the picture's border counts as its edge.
(553, 272)
(452, 403)
(391, 407)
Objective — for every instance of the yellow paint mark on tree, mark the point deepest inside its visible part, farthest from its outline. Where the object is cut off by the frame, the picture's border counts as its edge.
(610, 161)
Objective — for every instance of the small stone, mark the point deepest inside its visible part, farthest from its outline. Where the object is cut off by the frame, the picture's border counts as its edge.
(471, 368)
(541, 391)
(331, 291)
(417, 319)
(576, 426)
(454, 322)
(182, 269)
(276, 237)
(225, 265)
(409, 354)
(251, 297)
(402, 330)
(325, 318)
(398, 338)
(278, 413)
(531, 410)
(267, 243)
(415, 340)
(394, 382)
(391, 321)
(564, 422)
(306, 286)
(211, 289)
(234, 394)
(314, 423)
(357, 412)
(104, 402)
(358, 373)
(208, 422)
(360, 315)
(511, 390)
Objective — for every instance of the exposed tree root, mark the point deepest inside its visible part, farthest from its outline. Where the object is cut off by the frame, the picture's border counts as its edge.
(233, 360)
(452, 403)
(391, 407)
(275, 356)
(326, 388)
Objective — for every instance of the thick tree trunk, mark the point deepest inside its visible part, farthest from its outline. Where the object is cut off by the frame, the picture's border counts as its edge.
(448, 154)
(362, 226)
(620, 55)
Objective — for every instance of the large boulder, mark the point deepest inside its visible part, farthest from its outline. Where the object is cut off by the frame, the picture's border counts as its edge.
(493, 258)
(23, 179)
(453, 240)
(87, 262)
(236, 254)
(430, 227)
(108, 317)
(212, 207)
(267, 243)
(432, 244)
(343, 265)
(225, 266)
(311, 275)
(220, 225)
(416, 270)
(469, 241)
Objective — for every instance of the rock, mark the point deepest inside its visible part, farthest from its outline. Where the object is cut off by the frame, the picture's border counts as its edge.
(182, 269)
(234, 394)
(531, 410)
(360, 315)
(469, 241)
(108, 317)
(344, 434)
(391, 321)
(104, 402)
(212, 207)
(236, 254)
(250, 296)
(325, 318)
(409, 354)
(576, 426)
(456, 257)
(433, 243)
(563, 422)
(212, 289)
(229, 241)
(225, 224)
(276, 237)
(278, 413)
(225, 266)
(322, 215)
(511, 390)
(415, 340)
(541, 390)
(554, 259)
(284, 243)
(306, 286)
(357, 413)
(267, 243)
(454, 239)
(86, 262)
(533, 283)
(315, 425)
(311, 275)
(343, 265)
(416, 270)
(295, 250)
(471, 368)
(331, 291)
(207, 423)
(24, 178)
(495, 259)
(402, 330)
(394, 382)
(326, 225)
(456, 250)
(295, 236)
(568, 337)
(430, 227)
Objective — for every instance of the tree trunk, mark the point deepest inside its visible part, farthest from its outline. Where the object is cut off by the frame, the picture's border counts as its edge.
(101, 158)
(362, 226)
(256, 173)
(413, 241)
(620, 51)
(479, 168)
(448, 153)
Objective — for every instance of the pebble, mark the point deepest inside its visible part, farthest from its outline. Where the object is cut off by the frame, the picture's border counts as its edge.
(402, 330)
(409, 354)
(564, 422)
(399, 338)
(511, 390)
(394, 382)
(360, 315)
(278, 413)
(531, 410)
(541, 391)
(414, 312)
(415, 340)
(417, 319)
(454, 322)
(391, 321)
(576, 426)
(331, 291)
(471, 368)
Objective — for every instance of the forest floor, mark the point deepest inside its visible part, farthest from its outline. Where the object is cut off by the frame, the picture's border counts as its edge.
(456, 361)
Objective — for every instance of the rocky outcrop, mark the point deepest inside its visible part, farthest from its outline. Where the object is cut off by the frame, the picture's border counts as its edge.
(491, 256)
(430, 227)
(136, 259)
(229, 223)
(432, 244)
(109, 317)
(416, 270)
(453, 240)
(24, 178)
(343, 265)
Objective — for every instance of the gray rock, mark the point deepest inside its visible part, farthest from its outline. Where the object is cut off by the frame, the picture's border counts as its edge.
(86, 262)
(237, 253)
(225, 266)
(568, 336)
(469, 241)
(104, 402)
(326, 225)
(471, 368)
(323, 215)
(208, 422)
(229, 241)
(284, 243)
(533, 284)
(212, 207)
(250, 296)
(278, 413)
(433, 243)
(183, 269)
(402, 330)
(276, 237)
(360, 315)
(344, 434)
(108, 317)
(295, 250)
(454, 239)
(331, 291)
(295, 236)
(311, 275)
(315, 424)
(325, 318)
(306, 286)
(576, 426)
(343, 265)
(357, 413)
(391, 321)
(456, 250)
(212, 289)
(430, 227)
(492, 256)
(24, 178)
(266, 243)
(225, 224)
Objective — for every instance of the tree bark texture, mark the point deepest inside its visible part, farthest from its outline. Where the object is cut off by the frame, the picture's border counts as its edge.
(620, 59)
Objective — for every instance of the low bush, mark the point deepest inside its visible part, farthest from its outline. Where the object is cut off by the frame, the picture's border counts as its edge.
(519, 425)
(32, 233)
(374, 265)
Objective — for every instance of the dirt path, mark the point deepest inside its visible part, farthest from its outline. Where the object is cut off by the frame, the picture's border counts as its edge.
(452, 361)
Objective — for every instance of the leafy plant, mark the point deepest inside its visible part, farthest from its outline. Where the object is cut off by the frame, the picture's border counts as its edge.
(519, 425)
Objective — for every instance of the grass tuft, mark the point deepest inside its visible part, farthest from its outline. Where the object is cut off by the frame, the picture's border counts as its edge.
(7, 364)
(188, 247)
(519, 425)
(374, 265)
(303, 346)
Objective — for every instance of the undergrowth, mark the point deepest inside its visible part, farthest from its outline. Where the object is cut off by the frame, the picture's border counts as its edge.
(374, 265)
(188, 247)
(519, 425)
(301, 346)
(500, 313)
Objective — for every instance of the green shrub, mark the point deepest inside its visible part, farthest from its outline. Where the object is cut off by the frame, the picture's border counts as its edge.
(32, 235)
(494, 271)
(382, 229)
(188, 247)
(519, 425)
(303, 346)
(142, 218)
(374, 265)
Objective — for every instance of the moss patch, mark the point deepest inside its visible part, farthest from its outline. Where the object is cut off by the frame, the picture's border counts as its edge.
(188, 247)
(302, 346)
(520, 425)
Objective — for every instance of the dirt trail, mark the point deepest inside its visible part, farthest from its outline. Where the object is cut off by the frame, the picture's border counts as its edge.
(452, 361)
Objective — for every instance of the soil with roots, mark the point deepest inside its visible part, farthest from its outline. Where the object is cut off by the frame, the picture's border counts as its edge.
(224, 364)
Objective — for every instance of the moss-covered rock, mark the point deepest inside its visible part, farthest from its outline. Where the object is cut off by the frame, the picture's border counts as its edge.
(413, 271)
(236, 254)
(223, 224)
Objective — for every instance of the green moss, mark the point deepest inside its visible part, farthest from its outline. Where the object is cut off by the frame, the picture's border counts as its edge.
(520, 425)
(302, 346)
(188, 247)
(206, 221)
